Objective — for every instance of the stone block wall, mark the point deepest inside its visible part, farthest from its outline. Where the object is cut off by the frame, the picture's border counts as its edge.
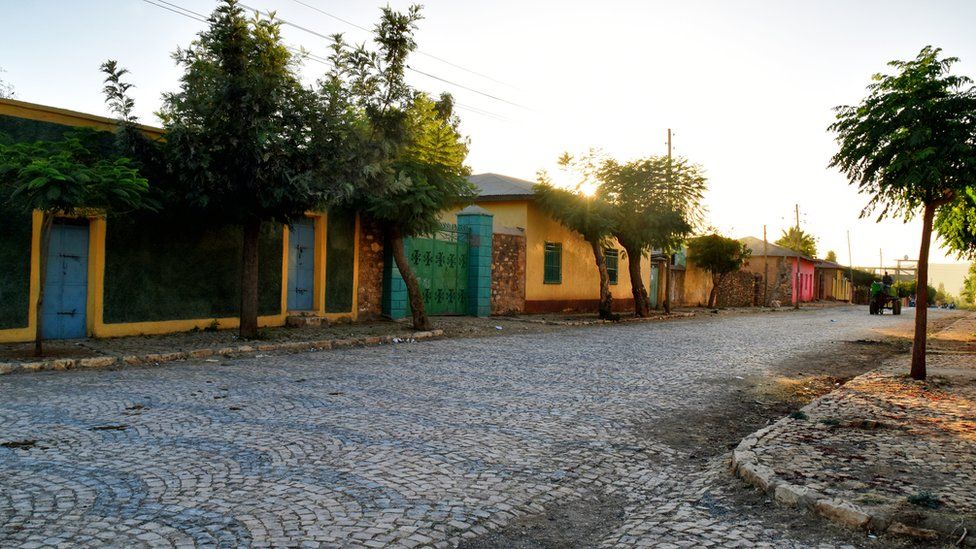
(370, 270)
(740, 289)
(508, 272)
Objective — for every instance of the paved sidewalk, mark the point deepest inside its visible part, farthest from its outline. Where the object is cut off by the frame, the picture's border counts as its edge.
(883, 452)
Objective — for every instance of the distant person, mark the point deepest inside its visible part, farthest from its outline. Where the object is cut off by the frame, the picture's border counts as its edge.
(887, 280)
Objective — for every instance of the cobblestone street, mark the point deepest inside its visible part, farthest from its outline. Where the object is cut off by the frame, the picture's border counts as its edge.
(434, 443)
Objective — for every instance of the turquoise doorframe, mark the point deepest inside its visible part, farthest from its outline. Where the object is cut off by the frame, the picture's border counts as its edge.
(301, 266)
(65, 307)
(652, 292)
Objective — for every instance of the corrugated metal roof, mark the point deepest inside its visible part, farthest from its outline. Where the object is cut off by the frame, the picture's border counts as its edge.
(493, 186)
(755, 245)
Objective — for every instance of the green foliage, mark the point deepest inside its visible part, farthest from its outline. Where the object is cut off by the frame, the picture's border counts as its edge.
(956, 223)
(717, 254)
(925, 499)
(590, 216)
(863, 279)
(799, 241)
(831, 256)
(907, 288)
(656, 202)
(430, 170)
(912, 140)
(969, 286)
(59, 177)
(239, 128)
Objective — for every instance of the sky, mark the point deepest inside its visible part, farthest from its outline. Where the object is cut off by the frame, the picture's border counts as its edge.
(747, 87)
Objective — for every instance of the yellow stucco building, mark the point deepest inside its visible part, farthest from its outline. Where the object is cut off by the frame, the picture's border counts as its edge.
(560, 272)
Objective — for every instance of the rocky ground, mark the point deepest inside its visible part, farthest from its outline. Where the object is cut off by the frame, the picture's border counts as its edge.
(601, 435)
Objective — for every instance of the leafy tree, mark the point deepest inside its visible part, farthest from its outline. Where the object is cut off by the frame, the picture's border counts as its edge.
(590, 216)
(239, 133)
(410, 150)
(969, 286)
(799, 241)
(656, 204)
(431, 172)
(718, 255)
(831, 256)
(907, 288)
(911, 145)
(65, 178)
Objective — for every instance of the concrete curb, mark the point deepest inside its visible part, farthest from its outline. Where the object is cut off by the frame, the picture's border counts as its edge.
(155, 359)
(842, 512)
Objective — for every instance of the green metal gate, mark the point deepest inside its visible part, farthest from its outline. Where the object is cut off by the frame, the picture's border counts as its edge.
(441, 265)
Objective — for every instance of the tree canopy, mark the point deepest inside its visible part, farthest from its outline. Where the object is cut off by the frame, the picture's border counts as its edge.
(799, 241)
(656, 203)
(831, 256)
(910, 145)
(718, 255)
(589, 215)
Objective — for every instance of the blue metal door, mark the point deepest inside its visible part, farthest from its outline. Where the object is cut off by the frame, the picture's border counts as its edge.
(65, 303)
(301, 266)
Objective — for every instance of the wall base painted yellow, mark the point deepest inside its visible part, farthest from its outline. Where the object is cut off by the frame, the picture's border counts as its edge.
(96, 289)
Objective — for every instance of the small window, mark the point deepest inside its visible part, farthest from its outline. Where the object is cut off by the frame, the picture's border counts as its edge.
(613, 261)
(553, 263)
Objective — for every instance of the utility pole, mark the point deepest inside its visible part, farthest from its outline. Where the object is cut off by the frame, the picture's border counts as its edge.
(765, 269)
(796, 286)
(850, 265)
(880, 263)
(667, 267)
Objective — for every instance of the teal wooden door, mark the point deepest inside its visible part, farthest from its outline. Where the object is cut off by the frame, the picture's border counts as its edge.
(652, 292)
(301, 266)
(440, 264)
(65, 305)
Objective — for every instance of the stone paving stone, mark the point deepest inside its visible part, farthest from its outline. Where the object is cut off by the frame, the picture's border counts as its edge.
(368, 446)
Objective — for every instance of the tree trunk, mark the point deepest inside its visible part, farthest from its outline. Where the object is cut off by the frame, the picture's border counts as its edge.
(713, 294)
(642, 303)
(922, 296)
(249, 281)
(605, 307)
(47, 220)
(420, 319)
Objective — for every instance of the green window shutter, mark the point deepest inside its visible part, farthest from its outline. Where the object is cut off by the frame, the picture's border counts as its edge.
(553, 271)
(613, 259)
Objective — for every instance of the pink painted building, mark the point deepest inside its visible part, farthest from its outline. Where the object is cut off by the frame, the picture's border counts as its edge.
(778, 266)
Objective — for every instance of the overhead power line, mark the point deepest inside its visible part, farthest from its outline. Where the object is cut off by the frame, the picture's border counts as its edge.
(421, 52)
(179, 10)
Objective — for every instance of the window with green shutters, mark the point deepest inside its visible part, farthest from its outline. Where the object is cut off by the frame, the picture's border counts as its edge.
(553, 271)
(613, 259)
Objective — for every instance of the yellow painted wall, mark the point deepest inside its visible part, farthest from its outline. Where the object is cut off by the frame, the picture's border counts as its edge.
(697, 286)
(580, 279)
(96, 266)
(44, 113)
(96, 289)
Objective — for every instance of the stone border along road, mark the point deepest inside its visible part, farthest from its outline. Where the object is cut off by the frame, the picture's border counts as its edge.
(927, 430)
(397, 445)
(62, 364)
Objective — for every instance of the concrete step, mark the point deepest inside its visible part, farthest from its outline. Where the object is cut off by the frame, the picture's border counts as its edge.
(300, 319)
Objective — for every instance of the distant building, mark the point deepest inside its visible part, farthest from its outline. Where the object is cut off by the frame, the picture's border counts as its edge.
(539, 265)
(830, 282)
(779, 267)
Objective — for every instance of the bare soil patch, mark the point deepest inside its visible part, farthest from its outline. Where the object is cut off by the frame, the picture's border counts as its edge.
(580, 523)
